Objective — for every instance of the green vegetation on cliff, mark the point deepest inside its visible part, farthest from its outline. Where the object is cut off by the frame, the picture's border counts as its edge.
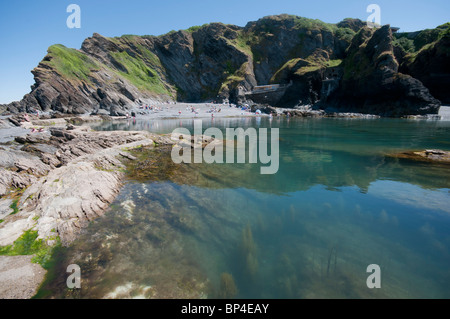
(243, 43)
(357, 64)
(233, 80)
(313, 24)
(300, 67)
(196, 28)
(415, 42)
(346, 34)
(269, 24)
(139, 74)
(70, 63)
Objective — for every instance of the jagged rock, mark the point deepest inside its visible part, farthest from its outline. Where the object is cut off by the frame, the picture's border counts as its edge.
(5, 181)
(432, 67)
(79, 180)
(62, 133)
(70, 179)
(32, 139)
(32, 166)
(5, 124)
(50, 159)
(8, 157)
(13, 180)
(14, 121)
(70, 197)
(372, 83)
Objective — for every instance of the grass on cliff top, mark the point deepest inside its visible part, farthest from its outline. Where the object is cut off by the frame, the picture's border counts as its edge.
(70, 63)
(29, 244)
(313, 24)
(267, 23)
(314, 64)
(235, 79)
(243, 43)
(140, 74)
(315, 67)
(416, 42)
(147, 56)
(196, 28)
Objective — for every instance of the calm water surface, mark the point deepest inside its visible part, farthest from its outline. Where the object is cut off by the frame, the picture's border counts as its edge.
(337, 205)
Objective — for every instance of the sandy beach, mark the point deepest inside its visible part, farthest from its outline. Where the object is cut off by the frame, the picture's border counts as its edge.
(191, 110)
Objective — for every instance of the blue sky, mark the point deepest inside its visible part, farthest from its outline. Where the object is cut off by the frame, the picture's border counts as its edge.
(29, 27)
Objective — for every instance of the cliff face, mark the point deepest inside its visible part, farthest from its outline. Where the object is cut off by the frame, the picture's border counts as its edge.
(373, 84)
(431, 62)
(110, 75)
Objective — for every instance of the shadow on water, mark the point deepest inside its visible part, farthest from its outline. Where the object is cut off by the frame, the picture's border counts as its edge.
(309, 231)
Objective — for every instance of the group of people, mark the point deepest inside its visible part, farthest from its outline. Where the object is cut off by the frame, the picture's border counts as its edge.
(192, 110)
(214, 109)
(40, 130)
(26, 118)
(148, 107)
(246, 108)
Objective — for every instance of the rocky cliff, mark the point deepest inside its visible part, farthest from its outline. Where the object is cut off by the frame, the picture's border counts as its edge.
(369, 72)
(372, 82)
(425, 55)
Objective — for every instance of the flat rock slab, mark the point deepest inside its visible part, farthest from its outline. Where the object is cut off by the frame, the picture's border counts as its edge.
(5, 207)
(19, 277)
(9, 134)
(432, 156)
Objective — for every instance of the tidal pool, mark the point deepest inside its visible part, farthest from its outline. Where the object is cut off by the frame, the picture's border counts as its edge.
(337, 205)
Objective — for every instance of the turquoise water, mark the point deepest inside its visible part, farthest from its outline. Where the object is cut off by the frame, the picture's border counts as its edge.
(338, 204)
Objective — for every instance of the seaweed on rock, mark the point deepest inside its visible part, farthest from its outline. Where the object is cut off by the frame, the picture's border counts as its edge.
(228, 289)
(248, 253)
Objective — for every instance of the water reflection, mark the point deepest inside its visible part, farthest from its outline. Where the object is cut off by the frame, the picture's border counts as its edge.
(337, 205)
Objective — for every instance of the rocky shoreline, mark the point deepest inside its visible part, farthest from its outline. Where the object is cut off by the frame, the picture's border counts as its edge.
(55, 182)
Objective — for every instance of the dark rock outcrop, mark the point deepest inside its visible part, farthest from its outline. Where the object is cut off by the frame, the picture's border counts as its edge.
(432, 67)
(372, 83)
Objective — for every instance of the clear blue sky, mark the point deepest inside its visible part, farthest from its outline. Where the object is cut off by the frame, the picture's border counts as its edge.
(29, 27)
